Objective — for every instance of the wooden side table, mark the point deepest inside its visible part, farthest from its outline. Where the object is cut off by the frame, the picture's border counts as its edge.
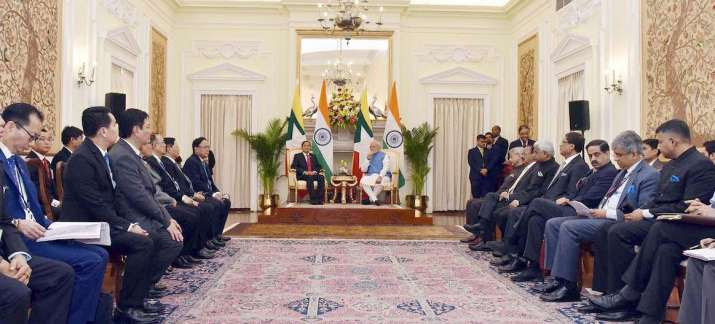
(343, 182)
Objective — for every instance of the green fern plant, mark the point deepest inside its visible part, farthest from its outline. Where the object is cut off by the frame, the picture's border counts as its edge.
(268, 146)
(417, 146)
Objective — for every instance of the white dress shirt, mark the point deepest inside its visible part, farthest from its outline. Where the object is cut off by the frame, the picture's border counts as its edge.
(611, 204)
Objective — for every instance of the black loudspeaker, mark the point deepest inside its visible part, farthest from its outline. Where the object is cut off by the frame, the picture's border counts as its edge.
(116, 102)
(578, 115)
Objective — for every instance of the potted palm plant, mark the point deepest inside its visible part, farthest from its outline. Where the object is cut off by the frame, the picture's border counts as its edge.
(268, 146)
(417, 146)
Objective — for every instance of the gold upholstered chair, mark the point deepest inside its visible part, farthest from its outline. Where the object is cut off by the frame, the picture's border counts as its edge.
(393, 190)
(294, 185)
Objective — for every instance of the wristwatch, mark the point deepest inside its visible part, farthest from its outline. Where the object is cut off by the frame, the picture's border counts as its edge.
(15, 222)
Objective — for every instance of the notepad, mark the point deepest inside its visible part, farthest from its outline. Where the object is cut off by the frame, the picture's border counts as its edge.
(701, 254)
(96, 233)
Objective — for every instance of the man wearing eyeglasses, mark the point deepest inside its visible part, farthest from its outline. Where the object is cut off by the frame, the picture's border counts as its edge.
(40, 148)
(23, 123)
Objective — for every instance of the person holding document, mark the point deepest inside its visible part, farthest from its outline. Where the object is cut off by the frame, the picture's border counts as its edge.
(698, 304)
(633, 187)
(22, 125)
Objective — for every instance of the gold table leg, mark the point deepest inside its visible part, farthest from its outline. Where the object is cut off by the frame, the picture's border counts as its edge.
(343, 192)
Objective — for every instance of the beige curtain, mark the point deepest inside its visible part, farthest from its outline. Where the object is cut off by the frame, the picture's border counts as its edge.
(221, 115)
(571, 88)
(122, 81)
(459, 121)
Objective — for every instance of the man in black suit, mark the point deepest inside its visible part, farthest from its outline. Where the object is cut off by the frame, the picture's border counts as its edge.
(650, 276)
(184, 204)
(530, 185)
(498, 140)
(493, 163)
(45, 285)
(201, 176)
(40, 148)
(523, 139)
(529, 222)
(91, 196)
(207, 204)
(477, 167)
(72, 137)
(308, 169)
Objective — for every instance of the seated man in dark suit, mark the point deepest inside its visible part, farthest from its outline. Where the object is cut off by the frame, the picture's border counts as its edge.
(45, 285)
(518, 161)
(72, 137)
(182, 207)
(477, 167)
(23, 124)
(40, 148)
(308, 169)
(199, 173)
(523, 140)
(649, 274)
(632, 188)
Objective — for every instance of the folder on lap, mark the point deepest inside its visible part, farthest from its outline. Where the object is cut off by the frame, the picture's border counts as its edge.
(687, 218)
(96, 233)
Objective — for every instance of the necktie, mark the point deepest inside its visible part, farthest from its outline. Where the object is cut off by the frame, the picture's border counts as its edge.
(109, 168)
(208, 179)
(310, 163)
(46, 167)
(163, 168)
(13, 162)
(616, 184)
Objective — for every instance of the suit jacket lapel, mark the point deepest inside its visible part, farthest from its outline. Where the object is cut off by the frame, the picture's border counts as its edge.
(629, 183)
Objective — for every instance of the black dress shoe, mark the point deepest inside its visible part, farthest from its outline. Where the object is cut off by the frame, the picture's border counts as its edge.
(181, 263)
(503, 260)
(470, 239)
(226, 238)
(611, 302)
(156, 294)
(204, 254)
(135, 315)
(376, 202)
(546, 287)
(529, 274)
(218, 242)
(562, 294)
(480, 247)
(474, 228)
(497, 253)
(365, 202)
(153, 307)
(515, 266)
(628, 314)
(159, 286)
(211, 246)
(589, 309)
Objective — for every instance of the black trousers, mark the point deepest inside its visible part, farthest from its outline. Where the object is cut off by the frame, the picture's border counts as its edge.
(195, 231)
(613, 251)
(472, 210)
(49, 293)
(219, 214)
(490, 204)
(533, 223)
(315, 195)
(514, 243)
(655, 267)
(165, 252)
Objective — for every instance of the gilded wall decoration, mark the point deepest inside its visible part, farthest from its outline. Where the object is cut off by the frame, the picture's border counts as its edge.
(157, 105)
(30, 56)
(528, 100)
(679, 65)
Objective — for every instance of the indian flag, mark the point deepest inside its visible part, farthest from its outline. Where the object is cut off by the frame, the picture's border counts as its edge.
(392, 140)
(323, 137)
(363, 135)
(296, 129)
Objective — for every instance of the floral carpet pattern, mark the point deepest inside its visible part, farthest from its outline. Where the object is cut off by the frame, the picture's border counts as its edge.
(353, 281)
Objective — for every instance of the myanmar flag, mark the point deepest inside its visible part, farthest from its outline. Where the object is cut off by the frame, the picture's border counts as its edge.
(363, 135)
(296, 130)
(393, 132)
(323, 136)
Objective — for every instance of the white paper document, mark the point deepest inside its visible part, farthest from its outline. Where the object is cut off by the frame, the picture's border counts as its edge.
(96, 233)
(701, 254)
(581, 209)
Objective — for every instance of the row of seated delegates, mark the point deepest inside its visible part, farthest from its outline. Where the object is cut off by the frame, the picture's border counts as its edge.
(51, 301)
(199, 171)
(485, 165)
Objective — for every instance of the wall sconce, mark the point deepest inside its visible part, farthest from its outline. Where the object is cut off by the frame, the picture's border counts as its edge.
(615, 85)
(82, 76)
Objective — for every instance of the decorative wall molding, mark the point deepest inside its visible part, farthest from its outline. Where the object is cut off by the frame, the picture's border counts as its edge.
(458, 54)
(124, 38)
(459, 75)
(122, 9)
(227, 50)
(576, 13)
(570, 45)
(227, 72)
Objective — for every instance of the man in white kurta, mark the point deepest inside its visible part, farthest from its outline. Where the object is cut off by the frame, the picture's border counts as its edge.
(376, 173)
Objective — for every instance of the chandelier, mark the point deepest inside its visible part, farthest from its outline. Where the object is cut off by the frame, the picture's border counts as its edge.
(340, 73)
(346, 16)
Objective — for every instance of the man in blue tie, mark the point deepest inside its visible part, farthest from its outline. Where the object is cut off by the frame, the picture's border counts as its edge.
(23, 124)
(376, 173)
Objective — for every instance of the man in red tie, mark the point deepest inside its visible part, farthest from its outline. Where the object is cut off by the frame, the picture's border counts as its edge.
(308, 169)
(40, 148)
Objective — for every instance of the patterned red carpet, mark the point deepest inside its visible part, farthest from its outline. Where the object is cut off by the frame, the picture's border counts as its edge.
(352, 281)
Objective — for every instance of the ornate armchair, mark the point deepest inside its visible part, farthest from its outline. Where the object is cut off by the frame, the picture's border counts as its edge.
(294, 185)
